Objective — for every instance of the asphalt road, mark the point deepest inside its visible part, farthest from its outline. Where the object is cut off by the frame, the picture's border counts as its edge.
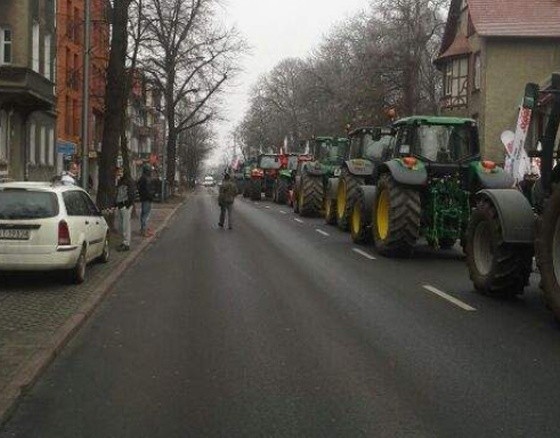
(285, 328)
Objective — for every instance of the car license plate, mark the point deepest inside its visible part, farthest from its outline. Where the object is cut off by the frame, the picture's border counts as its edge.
(14, 234)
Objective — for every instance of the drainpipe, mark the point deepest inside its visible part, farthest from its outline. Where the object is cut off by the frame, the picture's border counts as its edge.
(85, 95)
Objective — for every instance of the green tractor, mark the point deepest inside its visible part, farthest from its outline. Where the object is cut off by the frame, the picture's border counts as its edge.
(428, 188)
(248, 166)
(369, 147)
(508, 227)
(284, 183)
(312, 177)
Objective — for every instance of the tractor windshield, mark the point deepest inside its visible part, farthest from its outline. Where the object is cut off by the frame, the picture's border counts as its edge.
(376, 149)
(292, 162)
(446, 143)
(332, 152)
(269, 162)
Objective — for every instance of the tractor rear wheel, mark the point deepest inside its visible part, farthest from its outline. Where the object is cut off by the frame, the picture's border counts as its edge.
(310, 195)
(347, 194)
(255, 190)
(282, 191)
(359, 222)
(396, 215)
(496, 268)
(329, 207)
(246, 185)
(547, 247)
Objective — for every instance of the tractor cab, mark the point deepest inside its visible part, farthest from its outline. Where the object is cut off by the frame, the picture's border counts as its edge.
(330, 151)
(370, 143)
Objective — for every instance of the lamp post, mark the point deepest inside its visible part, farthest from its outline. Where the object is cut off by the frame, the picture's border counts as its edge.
(85, 94)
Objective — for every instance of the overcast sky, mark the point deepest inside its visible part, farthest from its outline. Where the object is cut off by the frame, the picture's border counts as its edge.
(277, 29)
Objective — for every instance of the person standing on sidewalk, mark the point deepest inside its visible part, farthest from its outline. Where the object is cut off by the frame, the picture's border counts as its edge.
(226, 197)
(145, 191)
(124, 204)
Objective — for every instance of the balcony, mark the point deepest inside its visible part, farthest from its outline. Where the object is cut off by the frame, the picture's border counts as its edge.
(26, 89)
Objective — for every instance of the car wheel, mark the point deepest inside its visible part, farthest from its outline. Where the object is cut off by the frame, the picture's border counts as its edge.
(78, 272)
(105, 255)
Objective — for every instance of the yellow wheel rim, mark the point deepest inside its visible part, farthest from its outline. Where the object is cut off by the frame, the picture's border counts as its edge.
(341, 199)
(383, 215)
(356, 220)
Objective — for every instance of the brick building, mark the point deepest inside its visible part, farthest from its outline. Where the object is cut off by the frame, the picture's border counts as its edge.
(70, 70)
(27, 117)
(490, 50)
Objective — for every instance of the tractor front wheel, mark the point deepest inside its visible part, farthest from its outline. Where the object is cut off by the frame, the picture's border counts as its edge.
(496, 268)
(255, 190)
(329, 207)
(346, 197)
(548, 253)
(396, 218)
(282, 191)
(359, 222)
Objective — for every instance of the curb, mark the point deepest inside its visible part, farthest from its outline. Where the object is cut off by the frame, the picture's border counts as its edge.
(31, 370)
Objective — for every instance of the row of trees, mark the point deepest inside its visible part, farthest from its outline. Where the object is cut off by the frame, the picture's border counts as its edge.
(187, 55)
(375, 61)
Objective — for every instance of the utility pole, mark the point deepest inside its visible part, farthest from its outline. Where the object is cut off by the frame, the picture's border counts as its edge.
(85, 94)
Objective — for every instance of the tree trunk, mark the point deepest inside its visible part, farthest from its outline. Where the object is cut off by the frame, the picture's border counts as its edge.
(115, 101)
(171, 155)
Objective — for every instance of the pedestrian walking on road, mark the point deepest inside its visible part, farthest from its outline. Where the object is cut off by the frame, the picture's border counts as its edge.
(228, 192)
(146, 194)
(124, 203)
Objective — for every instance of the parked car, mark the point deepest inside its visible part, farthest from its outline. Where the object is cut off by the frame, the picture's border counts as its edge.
(46, 227)
(209, 182)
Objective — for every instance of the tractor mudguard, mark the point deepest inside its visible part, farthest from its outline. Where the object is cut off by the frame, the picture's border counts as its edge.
(332, 188)
(496, 179)
(403, 175)
(359, 167)
(370, 194)
(285, 174)
(515, 212)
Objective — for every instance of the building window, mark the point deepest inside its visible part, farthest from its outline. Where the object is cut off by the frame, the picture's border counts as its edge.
(456, 83)
(50, 152)
(477, 72)
(47, 58)
(32, 144)
(36, 47)
(5, 46)
(3, 136)
(43, 150)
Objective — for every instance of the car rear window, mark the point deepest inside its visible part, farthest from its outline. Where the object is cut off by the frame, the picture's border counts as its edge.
(19, 204)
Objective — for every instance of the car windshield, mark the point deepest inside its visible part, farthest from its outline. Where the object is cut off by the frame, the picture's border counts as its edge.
(445, 143)
(292, 162)
(269, 162)
(375, 149)
(27, 204)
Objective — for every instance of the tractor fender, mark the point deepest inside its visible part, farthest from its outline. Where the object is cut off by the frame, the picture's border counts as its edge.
(332, 188)
(404, 175)
(515, 213)
(369, 194)
(359, 167)
(496, 179)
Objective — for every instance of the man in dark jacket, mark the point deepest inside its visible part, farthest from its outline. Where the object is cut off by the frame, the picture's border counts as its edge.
(228, 192)
(124, 203)
(146, 194)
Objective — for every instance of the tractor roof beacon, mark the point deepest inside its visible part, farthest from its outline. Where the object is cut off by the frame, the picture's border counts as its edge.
(426, 188)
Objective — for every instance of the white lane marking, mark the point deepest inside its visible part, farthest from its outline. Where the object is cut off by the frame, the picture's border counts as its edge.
(363, 254)
(449, 298)
(283, 212)
(267, 207)
(324, 233)
(299, 220)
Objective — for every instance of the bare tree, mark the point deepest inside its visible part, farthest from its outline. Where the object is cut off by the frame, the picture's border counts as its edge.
(189, 59)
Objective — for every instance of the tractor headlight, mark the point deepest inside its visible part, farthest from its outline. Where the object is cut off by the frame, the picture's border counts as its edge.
(337, 172)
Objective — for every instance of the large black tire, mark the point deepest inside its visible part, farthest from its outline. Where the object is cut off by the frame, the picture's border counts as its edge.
(360, 229)
(255, 190)
(283, 192)
(329, 207)
(547, 247)
(347, 194)
(496, 268)
(310, 197)
(77, 275)
(246, 192)
(396, 218)
(295, 200)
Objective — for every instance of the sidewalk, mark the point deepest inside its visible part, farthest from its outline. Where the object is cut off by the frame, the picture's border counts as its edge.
(39, 313)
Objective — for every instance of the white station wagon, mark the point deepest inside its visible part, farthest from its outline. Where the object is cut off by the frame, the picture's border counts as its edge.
(47, 227)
